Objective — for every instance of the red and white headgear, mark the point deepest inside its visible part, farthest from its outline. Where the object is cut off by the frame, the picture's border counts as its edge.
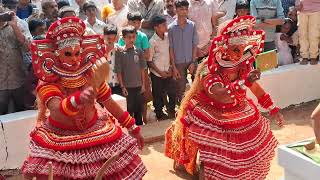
(66, 32)
(238, 32)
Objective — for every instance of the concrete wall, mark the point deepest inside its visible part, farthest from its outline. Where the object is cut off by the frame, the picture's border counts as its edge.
(14, 135)
(292, 84)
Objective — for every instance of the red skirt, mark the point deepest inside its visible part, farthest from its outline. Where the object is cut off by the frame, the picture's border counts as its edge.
(234, 143)
(85, 162)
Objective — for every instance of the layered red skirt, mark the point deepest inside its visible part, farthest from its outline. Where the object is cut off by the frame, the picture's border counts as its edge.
(234, 143)
(80, 154)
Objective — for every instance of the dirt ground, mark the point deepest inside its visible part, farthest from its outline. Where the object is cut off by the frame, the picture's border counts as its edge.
(297, 127)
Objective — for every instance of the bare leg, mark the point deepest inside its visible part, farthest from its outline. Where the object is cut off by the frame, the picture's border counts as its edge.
(316, 123)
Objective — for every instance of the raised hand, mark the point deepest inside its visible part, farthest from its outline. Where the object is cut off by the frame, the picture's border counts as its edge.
(254, 75)
(100, 72)
(88, 95)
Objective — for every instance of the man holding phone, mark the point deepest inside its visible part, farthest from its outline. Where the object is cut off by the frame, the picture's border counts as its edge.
(12, 74)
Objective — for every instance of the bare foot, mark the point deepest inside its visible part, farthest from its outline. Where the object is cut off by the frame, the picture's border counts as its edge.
(310, 145)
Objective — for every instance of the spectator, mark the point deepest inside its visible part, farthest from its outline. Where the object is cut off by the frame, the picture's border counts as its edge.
(269, 14)
(12, 74)
(293, 33)
(50, 10)
(92, 21)
(24, 9)
(227, 6)
(170, 12)
(134, 19)
(67, 11)
(119, 17)
(242, 9)
(148, 9)
(160, 68)
(37, 27)
(111, 38)
(62, 3)
(309, 30)
(129, 66)
(202, 13)
(286, 4)
(282, 43)
(81, 13)
(183, 41)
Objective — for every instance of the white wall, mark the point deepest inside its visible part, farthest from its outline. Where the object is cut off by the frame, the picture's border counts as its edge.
(292, 84)
(14, 135)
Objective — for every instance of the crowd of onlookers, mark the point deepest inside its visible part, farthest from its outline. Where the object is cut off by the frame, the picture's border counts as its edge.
(153, 44)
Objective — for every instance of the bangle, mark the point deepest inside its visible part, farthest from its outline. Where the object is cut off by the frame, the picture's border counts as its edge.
(265, 101)
(104, 93)
(274, 110)
(134, 129)
(69, 105)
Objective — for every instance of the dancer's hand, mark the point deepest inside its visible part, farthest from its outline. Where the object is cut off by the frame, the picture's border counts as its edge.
(254, 75)
(279, 119)
(100, 72)
(139, 139)
(87, 96)
(192, 68)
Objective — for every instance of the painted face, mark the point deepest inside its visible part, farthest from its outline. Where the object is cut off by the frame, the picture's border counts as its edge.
(70, 58)
(235, 52)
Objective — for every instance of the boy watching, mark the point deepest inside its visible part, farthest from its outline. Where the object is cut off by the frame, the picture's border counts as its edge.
(111, 36)
(183, 41)
(130, 66)
(160, 68)
(134, 19)
(142, 42)
(92, 21)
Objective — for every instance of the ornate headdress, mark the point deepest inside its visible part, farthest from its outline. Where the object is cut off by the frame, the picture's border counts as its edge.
(238, 32)
(66, 32)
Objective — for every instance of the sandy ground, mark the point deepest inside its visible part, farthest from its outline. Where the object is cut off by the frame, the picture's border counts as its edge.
(297, 127)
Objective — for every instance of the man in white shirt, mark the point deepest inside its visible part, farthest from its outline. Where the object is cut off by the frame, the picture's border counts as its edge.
(170, 11)
(92, 22)
(160, 68)
(119, 17)
(228, 6)
(203, 12)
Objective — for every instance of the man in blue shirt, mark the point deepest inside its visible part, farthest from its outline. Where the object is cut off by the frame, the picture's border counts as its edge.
(183, 41)
(269, 14)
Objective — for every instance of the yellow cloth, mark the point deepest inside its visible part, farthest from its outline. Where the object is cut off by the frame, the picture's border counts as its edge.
(106, 11)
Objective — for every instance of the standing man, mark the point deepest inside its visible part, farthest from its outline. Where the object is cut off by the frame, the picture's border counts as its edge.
(202, 13)
(92, 21)
(12, 74)
(119, 17)
(170, 11)
(183, 42)
(148, 9)
(50, 11)
(229, 7)
(309, 30)
(269, 14)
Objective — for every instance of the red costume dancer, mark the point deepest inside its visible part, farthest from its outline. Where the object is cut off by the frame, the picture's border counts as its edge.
(73, 131)
(217, 119)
